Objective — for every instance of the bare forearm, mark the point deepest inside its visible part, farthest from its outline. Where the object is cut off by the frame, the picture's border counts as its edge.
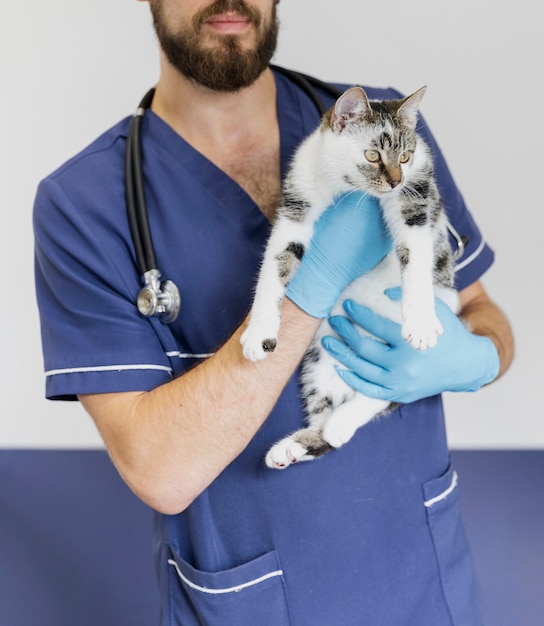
(170, 443)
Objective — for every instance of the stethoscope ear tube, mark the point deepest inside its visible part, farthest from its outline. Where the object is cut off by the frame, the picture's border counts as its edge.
(308, 85)
(461, 241)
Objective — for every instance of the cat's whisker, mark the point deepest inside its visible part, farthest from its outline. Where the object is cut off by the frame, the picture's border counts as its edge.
(411, 191)
(362, 196)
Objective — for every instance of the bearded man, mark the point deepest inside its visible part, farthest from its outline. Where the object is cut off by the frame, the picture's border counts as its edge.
(370, 534)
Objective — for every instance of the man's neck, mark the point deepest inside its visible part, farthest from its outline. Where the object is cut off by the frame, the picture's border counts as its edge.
(207, 118)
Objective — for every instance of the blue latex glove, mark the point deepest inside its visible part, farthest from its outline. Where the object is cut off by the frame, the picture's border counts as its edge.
(350, 238)
(392, 370)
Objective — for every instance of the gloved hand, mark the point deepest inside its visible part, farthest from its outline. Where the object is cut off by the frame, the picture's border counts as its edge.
(350, 238)
(392, 370)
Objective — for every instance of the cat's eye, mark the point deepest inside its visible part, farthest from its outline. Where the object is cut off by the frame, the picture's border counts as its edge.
(372, 155)
(405, 156)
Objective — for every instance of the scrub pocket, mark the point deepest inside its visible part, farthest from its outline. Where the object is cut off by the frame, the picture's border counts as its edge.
(252, 593)
(442, 504)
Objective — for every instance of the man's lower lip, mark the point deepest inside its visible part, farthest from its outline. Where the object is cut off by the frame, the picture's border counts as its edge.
(233, 26)
(228, 27)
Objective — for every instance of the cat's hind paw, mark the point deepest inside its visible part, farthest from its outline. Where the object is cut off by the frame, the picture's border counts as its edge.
(337, 432)
(302, 445)
(285, 453)
(422, 334)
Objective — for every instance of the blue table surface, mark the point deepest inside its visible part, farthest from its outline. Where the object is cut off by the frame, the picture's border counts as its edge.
(75, 543)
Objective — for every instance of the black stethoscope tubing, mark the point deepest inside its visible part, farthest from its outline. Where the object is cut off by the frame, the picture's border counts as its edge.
(162, 298)
(135, 193)
(156, 297)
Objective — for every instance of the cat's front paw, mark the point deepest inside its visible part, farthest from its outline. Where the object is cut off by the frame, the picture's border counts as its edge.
(254, 347)
(422, 332)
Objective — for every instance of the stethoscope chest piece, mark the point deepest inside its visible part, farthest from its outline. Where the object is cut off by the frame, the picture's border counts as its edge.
(160, 299)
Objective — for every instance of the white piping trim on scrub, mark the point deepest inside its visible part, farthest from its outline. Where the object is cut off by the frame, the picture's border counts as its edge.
(251, 583)
(188, 355)
(108, 368)
(470, 258)
(445, 493)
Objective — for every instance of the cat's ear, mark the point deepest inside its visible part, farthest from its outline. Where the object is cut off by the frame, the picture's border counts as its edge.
(352, 104)
(409, 108)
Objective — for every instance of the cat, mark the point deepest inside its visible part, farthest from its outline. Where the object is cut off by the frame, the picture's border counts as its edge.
(369, 146)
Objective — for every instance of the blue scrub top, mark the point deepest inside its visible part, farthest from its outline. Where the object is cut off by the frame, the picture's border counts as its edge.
(370, 534)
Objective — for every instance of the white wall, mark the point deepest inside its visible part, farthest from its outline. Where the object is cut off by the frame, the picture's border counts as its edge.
(71, 69)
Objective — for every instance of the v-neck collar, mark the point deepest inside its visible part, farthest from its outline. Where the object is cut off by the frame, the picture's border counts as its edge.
(295, 122)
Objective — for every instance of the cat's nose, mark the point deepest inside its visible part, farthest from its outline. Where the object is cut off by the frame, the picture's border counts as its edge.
(394, 183)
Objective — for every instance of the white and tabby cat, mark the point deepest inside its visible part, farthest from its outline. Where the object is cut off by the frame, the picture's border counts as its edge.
(368, 146)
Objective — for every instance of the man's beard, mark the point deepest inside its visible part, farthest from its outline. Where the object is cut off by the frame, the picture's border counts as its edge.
(227, 67)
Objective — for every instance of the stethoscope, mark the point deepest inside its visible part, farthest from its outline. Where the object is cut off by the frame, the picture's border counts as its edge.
(162, 298)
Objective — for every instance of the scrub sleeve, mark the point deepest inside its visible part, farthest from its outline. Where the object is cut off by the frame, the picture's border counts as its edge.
(370, 534)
